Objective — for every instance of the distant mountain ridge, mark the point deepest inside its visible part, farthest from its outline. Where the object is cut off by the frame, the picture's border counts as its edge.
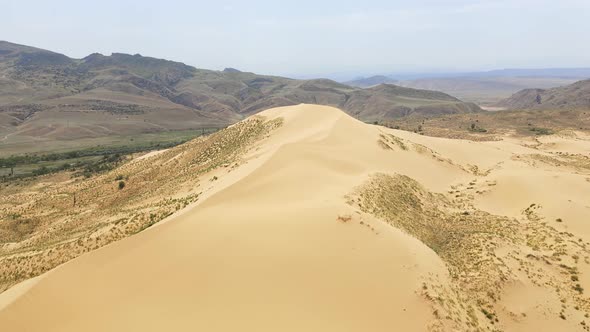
(579, 73)
(371, 81)
(539, 72)
(486, 87)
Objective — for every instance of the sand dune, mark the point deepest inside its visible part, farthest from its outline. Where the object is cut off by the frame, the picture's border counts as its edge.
(301, 237)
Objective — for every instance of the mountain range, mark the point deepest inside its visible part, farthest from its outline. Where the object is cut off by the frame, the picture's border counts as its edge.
(48, 96)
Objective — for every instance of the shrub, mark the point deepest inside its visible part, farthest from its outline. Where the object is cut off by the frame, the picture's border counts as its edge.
(121, 185)
(476, 129)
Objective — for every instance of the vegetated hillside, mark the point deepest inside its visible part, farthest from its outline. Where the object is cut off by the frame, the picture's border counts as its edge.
(48, 96)
(576, 96)
(366, 82)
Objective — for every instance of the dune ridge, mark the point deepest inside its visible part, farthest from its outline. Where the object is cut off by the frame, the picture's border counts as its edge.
(331, 224)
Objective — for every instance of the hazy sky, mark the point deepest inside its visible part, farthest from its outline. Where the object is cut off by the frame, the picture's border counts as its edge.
(312, 37)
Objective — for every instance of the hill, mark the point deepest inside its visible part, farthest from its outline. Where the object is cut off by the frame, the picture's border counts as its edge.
(47, 97)
(283, 222)
(573, 96)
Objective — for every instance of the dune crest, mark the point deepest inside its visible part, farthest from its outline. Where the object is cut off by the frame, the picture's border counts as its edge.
(331, 224)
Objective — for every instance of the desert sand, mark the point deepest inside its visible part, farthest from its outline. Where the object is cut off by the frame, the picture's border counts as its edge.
(331, 224)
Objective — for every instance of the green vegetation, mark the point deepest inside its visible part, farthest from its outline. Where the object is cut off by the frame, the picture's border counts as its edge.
(90, 160)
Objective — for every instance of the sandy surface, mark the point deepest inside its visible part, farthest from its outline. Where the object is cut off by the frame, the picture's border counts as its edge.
(275, 246)
(150, 154)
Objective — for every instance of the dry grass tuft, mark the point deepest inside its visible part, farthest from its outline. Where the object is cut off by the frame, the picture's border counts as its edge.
(483, 252)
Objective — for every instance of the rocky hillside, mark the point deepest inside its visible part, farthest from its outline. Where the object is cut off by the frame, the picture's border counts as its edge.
(573, 96)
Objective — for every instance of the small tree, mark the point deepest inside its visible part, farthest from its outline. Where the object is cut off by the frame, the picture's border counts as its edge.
(121, 185)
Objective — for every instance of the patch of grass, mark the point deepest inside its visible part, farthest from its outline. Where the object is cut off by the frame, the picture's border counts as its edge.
(489, 315)
(541, 131)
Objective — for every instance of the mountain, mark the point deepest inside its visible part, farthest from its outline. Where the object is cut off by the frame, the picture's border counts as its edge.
(534, 72)
(573, 96)
(303, 218)
(366, 82)
(48, 96)
(564, 73)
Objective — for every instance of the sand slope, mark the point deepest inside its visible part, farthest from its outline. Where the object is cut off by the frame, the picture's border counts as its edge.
(277, 244)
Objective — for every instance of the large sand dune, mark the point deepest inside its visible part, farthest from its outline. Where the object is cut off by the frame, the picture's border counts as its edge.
(318, 231)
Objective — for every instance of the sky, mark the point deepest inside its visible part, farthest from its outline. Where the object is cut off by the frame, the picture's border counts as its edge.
(313, 38)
